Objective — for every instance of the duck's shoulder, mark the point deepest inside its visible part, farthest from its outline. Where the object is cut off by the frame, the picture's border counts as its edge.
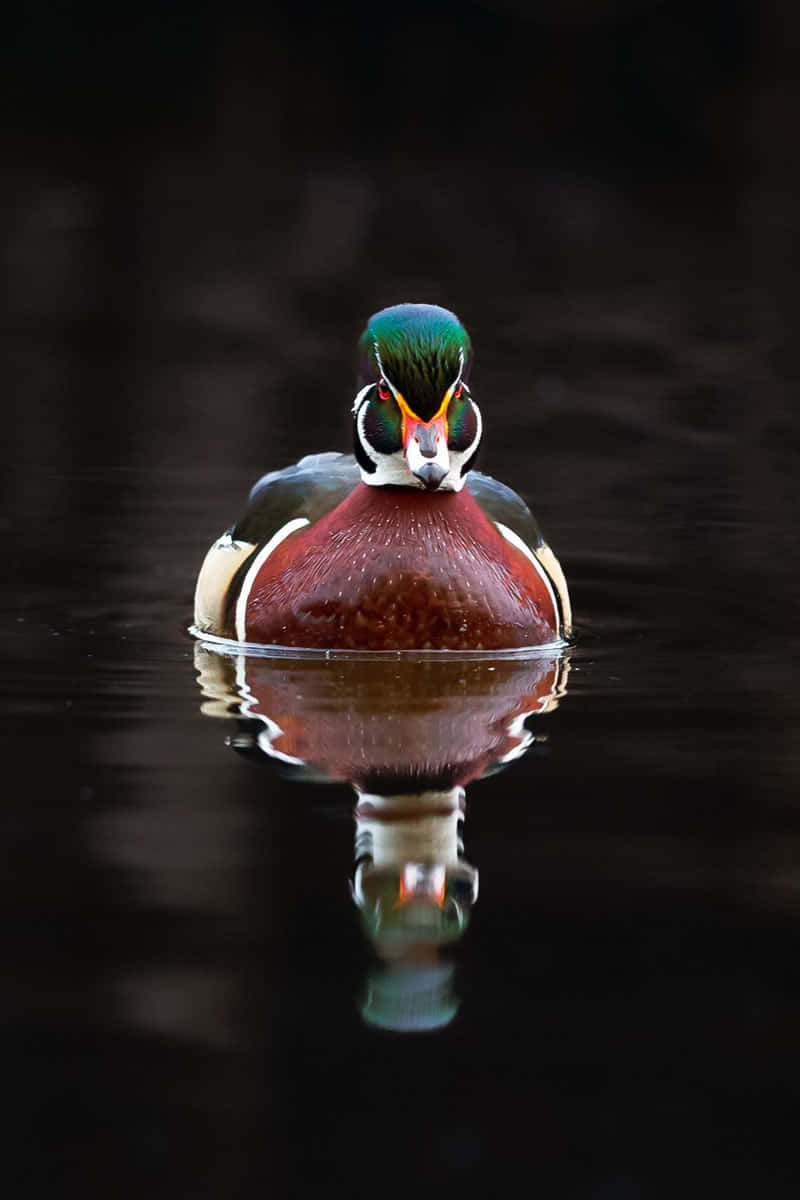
(515, 521)
(309, 489)
(503, 505)
(280, 502)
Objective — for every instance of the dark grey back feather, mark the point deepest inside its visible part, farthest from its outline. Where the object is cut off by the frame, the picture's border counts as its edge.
(311, 488)
(500, 503)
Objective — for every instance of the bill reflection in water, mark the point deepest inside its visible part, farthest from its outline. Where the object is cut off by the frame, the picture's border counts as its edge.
(408, 735)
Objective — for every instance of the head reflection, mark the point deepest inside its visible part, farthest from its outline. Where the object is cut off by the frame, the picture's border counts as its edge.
(409, 735)
(415, 892)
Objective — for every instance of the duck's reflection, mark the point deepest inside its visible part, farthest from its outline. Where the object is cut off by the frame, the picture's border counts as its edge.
(415, 891)
(408, 735)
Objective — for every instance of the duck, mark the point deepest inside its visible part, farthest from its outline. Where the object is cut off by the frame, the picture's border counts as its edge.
(402, 545)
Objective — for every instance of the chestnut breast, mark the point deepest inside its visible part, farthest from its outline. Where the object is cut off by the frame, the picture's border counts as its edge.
(391, 568)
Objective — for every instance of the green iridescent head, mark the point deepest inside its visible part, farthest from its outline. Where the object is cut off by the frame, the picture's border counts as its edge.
(415, 423)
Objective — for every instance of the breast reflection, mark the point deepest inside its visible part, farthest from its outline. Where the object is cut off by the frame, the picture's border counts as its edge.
(409, 736)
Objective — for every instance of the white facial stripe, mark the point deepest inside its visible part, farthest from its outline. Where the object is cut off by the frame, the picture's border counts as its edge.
(385, 377)
(457, 379)
(361, 395)
(371, 453)
(360, 412)
(470, 450)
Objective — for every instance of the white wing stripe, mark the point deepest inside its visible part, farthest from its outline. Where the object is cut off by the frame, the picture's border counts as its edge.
(517, 541)
(255, 567)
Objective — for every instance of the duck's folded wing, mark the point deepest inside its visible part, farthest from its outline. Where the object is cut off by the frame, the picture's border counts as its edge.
(512, 515)
(311, 489)
(280, 502)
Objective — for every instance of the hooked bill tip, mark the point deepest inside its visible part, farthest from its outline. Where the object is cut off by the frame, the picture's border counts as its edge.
(430, 475)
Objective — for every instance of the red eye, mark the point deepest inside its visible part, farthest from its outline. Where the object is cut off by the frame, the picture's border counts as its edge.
(457, 393)
(383, 390)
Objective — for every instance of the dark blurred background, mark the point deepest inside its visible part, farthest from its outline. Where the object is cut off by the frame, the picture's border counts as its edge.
(200, 206)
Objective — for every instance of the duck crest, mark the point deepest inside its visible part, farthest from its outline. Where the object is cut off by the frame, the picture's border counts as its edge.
(421, 348)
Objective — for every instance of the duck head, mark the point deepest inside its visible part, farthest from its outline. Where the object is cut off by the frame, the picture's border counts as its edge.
(415, 423)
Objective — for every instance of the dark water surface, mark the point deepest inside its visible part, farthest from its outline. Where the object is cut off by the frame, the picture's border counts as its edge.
(186, 973)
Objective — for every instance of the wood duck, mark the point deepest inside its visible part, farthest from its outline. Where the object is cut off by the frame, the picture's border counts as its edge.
(402, 547)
